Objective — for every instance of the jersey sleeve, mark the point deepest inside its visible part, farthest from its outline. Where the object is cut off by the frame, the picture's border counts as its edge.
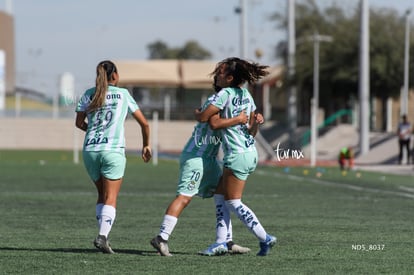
(132, 104)
(254, 108)
(220, 99)
(84, 101)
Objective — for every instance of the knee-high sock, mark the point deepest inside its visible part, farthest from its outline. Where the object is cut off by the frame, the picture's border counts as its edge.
(223, 222)
(247, 216)
(167, 226)
(98, 210)
(107, 219)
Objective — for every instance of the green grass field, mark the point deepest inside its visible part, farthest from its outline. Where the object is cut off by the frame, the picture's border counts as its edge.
(332, 224)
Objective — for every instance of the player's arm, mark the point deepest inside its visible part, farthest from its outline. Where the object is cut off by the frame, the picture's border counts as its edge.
(204, 116)
(145, 131)
(255, 121)
(216, 122)
(80, 121)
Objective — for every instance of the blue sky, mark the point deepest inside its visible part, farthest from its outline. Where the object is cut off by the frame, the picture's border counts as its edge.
(53, 37)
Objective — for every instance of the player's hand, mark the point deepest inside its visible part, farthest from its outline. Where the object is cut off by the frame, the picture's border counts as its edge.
(243, 117)
(259, 119)
(146, 153)
(197, 113)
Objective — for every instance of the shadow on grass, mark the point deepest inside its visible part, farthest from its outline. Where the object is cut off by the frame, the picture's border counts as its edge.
(83, 250)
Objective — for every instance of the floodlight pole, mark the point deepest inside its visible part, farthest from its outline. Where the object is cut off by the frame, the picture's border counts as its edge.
(155, 139)
(364, 79)
(242, 11)
(2, 81)
(404, 96)
(291, 95)
(316, 38)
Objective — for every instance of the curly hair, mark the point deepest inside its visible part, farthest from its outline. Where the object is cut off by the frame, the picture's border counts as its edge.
(241, 70)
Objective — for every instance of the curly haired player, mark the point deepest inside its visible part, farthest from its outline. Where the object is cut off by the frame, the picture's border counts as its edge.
(240, 155)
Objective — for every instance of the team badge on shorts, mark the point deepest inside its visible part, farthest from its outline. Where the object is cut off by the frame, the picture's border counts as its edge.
(191, 185)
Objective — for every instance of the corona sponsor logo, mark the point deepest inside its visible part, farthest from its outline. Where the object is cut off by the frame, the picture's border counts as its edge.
(240, 101)
(113, 96)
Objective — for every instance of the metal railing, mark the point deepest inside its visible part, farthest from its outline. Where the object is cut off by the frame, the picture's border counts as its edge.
(305, 140)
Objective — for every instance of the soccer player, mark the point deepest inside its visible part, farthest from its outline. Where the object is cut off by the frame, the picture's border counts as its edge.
(240, 155)
(200, 174)
(346, 155)
(101, 113)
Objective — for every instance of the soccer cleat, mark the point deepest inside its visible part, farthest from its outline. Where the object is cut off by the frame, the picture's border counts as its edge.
(266, 245)
(237, 249)
(161, 246)
(215, 249)
(103, 245)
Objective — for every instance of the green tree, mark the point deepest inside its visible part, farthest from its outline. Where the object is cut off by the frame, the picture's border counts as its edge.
(339, 60)
(191, 50)
(159, 50)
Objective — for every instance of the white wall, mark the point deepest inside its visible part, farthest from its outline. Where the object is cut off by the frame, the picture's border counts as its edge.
(26, 133)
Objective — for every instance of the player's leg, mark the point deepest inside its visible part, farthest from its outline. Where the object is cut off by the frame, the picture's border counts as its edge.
(173, 211)
(107, 214)
(111, 190)
(209, 185)
(108, 186)
(212, 183)
(224, 228)
(92, 165)
(100, 200)
(351, 163)
(341, 161)
(234, 178)
(170, 219)
(407, 148)
(191, 173)
(92, 162)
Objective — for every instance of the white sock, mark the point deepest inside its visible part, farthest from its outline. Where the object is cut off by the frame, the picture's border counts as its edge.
(223, 223)
(229, 229)
(98, 210)
(108, 214)
(247, 216)
(167, 226)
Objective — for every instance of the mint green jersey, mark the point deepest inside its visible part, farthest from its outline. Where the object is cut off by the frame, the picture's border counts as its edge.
(204, 142)
(106, 125)
(231, 102)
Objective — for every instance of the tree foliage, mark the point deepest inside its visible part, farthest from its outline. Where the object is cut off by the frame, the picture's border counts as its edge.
(191, 50)
(339, 60)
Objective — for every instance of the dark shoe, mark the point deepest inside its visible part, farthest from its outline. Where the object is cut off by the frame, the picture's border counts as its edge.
(266, 245)
(103, 245)
(161, 246)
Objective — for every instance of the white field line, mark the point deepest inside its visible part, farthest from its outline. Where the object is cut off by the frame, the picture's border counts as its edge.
(337, 184)
(408, 194)
(94, 194)
(408, 189)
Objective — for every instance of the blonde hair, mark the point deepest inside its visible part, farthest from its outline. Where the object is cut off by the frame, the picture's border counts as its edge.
(104, 71)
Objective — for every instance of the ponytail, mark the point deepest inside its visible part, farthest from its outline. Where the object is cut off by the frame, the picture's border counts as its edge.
(104, 71)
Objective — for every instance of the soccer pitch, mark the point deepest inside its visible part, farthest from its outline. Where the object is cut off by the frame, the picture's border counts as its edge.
(326, 222)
